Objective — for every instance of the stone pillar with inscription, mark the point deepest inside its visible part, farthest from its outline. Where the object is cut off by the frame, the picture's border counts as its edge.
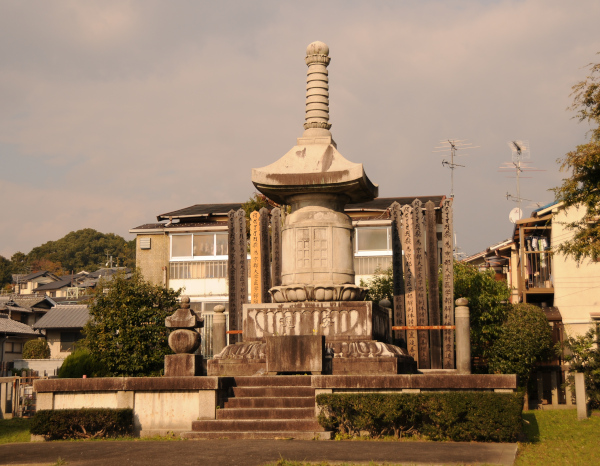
(265, 255)
(276, 247)
(237, 270)
(398, 316)
(435, 336)
(409, 281)
(447, 283)
(421, 283)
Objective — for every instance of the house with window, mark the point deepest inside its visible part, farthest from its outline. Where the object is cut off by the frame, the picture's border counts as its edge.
(13, 335)
(567, 291)
(187, 249)
(26, 284)
(27, 309)
(62, 326)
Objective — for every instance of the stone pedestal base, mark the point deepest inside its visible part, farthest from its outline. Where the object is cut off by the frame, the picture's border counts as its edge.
(183, 365)
(298, 353)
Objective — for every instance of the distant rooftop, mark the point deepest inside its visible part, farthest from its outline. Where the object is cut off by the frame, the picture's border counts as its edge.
(64, 316)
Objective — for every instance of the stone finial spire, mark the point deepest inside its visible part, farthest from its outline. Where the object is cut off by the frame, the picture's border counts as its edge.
(317, 87)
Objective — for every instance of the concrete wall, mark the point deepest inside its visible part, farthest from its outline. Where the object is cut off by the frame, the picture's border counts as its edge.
(576, 291)
(48, 366)
(160, 405)
(151, 261)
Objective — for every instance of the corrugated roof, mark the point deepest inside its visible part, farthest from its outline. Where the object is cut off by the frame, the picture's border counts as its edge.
(12, 326)
(64, 316)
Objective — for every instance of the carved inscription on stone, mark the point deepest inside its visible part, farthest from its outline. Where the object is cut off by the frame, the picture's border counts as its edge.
(255, 259)
(276, 245)
(432, 275)
(420, 283)
(409, 281)
(398, 275)
(447, 283)
(265, 256)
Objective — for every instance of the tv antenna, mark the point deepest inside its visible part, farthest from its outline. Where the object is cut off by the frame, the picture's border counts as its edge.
(453, 145)
(520, 152)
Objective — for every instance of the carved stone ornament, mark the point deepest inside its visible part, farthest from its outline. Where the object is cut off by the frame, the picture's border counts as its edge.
(301, 293)
(184, 340)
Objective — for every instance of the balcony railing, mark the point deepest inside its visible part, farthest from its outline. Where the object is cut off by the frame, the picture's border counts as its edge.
(537, 270)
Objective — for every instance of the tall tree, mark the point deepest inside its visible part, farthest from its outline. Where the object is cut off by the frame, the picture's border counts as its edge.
(5, 271)
(582, 188)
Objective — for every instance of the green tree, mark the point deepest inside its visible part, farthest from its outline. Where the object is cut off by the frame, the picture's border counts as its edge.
(488, 304)
(583, 355)
(79, 363)
(85, 250)
(126, 332)
(525, 339)
(5, 272)
(582, 188)
(255, 203)
(380, 285)
(36, 349)
(19, 263)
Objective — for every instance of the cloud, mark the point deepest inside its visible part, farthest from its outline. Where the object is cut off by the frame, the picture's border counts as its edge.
(123, 110)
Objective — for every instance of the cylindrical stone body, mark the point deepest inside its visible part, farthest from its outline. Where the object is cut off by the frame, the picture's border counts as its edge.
(580, 396)
(463, 337)
(184, 341)
(219, 329)
(317, 241)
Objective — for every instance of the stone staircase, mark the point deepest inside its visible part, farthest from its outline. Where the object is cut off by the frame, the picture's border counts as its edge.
(265, 408)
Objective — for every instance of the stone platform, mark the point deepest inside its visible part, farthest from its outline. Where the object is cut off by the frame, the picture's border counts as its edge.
(356, 337)
(268, 406)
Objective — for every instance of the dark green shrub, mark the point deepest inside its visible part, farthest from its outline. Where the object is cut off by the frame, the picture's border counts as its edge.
(82, 423)
(525, 339)
(583, 355)
(458, 416)
(36, 349)
(79, 363)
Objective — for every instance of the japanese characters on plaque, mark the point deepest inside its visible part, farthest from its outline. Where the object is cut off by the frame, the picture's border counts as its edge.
(409, 281)
(237, 270)
(447, 283)
(255, 259)
(420, 282)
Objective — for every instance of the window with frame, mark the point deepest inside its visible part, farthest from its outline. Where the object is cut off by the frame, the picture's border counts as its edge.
(370, 241)
(199, 246)
(68, 339)
(14, 347)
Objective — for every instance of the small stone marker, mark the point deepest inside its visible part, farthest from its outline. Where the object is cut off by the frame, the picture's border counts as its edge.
(463, 336)
(409, 281)
(420, 283)
(255, 259)
(398, 317)
(219, 329)
(448, 283)
(581, 396)
(434, 294)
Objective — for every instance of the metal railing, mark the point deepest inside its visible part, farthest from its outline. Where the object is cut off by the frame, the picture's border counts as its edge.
(537, 269)
(368, 265)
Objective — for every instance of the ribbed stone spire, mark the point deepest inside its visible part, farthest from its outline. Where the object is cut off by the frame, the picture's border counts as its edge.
(317, 86)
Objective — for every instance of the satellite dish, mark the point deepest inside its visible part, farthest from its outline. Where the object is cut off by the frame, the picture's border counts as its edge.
(515, 215)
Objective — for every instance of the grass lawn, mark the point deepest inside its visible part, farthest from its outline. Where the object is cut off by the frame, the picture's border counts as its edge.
(14, 430)
(557, 437)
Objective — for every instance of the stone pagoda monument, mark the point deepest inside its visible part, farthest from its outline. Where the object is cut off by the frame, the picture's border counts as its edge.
(317, 322)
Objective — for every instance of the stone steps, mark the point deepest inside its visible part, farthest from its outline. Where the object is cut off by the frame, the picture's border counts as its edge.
(268, 407)
(286, 391)
(296, 435)
(261, 402)
(270, 413)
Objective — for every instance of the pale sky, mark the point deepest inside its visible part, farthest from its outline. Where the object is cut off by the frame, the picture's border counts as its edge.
(112, 112)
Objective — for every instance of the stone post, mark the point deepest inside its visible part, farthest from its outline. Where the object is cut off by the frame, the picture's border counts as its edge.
(219, 329)
(581, 396)
(435, 336)
(447, 283)
(399, 316)
(463, 336)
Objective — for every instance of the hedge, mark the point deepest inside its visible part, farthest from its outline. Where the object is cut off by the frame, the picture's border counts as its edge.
(457, 416)
(82, 423)
(36, 349)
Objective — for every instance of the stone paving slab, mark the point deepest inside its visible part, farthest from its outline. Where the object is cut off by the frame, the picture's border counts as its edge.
(254, 452)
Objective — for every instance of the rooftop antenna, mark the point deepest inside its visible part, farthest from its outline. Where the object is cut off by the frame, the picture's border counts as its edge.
(520, 152)
(454, 145)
